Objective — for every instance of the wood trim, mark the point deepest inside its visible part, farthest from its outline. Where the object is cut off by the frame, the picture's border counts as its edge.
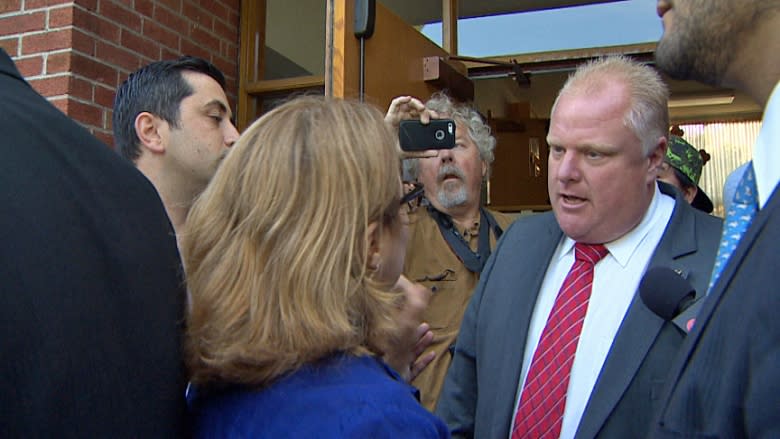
(251, 59)
(449, 26)
(439, 72)
(258, 88)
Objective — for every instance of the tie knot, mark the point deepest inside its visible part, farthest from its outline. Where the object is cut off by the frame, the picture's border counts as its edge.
(591, 253)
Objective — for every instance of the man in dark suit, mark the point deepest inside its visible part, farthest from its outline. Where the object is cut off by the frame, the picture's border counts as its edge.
(607, 137)
(726, 379)
(92, 298)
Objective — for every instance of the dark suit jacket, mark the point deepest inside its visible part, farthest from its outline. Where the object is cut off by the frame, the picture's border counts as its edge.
(480, 389)
(91, 296)
(725, 382)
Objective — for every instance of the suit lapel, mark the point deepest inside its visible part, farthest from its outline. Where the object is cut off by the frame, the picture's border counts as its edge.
(639, 329)
(524, 283)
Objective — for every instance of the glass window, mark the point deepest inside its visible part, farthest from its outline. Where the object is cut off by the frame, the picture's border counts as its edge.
(595, 25)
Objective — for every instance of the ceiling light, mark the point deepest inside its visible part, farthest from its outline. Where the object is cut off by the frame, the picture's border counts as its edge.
(700, 99)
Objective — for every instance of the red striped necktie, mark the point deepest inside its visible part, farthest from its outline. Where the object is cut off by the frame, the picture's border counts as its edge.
(543, 399)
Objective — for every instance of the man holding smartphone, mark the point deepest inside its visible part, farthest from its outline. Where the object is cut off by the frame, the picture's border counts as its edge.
(452, 237)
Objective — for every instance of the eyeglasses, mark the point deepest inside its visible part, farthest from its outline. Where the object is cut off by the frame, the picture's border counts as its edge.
(412, 199)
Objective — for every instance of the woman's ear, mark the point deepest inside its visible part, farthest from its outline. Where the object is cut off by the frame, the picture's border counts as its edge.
(373, 256)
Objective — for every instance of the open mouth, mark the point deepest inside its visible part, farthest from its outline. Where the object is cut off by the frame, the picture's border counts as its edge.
(571, 199)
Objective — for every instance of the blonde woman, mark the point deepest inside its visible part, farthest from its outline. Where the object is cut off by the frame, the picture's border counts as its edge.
(292, 253)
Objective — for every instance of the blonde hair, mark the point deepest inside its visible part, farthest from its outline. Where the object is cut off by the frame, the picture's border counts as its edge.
(648, 114)
(275, 247)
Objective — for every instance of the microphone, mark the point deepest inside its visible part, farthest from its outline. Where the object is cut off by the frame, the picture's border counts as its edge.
(666, 293)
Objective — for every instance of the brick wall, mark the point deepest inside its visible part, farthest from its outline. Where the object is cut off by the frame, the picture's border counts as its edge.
(77, 52)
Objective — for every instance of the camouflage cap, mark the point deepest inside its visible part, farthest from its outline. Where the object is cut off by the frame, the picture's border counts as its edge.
(685, 158)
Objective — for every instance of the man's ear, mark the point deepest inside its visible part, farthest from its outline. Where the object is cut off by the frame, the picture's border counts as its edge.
(373, 256)
(657, 156)
(150, 131)
(689, 193)
(484, 170)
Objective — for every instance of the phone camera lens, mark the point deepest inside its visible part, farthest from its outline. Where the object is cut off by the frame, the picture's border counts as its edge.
(439, 134)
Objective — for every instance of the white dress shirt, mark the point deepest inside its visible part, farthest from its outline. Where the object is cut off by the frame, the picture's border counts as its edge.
(615, 281)
(766, 154)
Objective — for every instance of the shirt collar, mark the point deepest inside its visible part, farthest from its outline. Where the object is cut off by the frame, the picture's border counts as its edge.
(624, 247)
(766, 154)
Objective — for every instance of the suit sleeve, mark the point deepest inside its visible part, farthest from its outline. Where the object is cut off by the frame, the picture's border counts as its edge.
(458, 399)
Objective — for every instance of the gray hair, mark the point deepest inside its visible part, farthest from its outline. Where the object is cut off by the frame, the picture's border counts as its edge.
(648, 115)
(464, 115)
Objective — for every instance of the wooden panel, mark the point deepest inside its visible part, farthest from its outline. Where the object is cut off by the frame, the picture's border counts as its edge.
(273, 85)
(512, 185)
(449, 28)
(394, 57)
(252, 40)
(440, 73)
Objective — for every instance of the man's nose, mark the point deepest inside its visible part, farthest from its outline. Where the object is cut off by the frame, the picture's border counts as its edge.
(231, 134)
(568, 167)
(445, 155)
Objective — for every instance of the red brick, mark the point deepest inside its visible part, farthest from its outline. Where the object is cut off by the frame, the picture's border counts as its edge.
(167, 53)
(228, 32)
(105, 137)
(104, 96)
(173, 5)
(90, 5)
(10, 45)
(30, 66)
(226, 66)
(19, 24)
(55, 86)
(46, 42)
(171, 20)
(60, 17)
(86, 114)
(142, 45)
(144, 7)
(60, 103)
(160, 34)
(198, 15)
(205, 39)
(82, 42)
(94, 70)
(230, 51)
(118, 56)
(94, 24)
(232, 17)
(37, 4)
(10, 6)
(81, 88)
(58, 63)
(190, 48)
(119, 14)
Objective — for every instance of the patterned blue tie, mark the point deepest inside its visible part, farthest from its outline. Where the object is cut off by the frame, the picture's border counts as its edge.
(738, 219)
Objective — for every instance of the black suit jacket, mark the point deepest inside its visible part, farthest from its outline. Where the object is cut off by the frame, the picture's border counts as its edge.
(725, 382)
(479, 392)
(91, 296)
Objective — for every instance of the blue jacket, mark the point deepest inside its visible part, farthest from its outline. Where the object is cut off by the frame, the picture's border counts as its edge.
(343, 396)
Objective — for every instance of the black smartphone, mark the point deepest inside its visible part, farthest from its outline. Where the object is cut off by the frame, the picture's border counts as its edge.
(416, 136)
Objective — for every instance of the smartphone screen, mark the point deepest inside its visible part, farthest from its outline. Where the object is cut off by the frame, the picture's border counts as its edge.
(416, 136)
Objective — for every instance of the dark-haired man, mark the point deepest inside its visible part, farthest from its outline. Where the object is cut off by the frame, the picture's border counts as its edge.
(172, 119)
(725, 380)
